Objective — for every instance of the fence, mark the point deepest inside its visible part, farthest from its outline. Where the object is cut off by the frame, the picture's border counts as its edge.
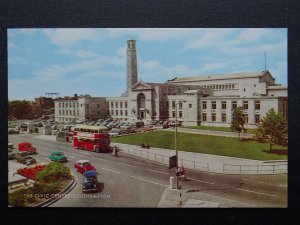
(202, 166)
(276, 168)
(255, 169)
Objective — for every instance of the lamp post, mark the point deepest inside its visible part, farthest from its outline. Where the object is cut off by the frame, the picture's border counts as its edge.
(176, 142)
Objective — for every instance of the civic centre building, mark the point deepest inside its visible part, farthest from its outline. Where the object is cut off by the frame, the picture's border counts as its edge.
(198, 100)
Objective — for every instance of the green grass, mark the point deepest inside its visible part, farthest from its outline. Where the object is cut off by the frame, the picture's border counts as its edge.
(226, 146)
(226, 129)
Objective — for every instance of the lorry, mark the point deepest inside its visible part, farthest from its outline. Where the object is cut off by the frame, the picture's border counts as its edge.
(27, 147)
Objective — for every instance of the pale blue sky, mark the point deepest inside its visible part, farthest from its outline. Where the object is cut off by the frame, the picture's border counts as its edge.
(93, 61)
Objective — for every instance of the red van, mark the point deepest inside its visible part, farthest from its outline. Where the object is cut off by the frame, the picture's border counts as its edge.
(27, 147)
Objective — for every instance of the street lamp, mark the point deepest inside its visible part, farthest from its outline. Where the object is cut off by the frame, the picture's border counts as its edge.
(176, 142)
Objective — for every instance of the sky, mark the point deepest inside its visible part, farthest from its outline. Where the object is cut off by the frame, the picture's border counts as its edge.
(93, 61)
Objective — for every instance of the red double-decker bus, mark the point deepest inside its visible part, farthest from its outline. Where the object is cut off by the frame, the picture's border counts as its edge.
(91, 138)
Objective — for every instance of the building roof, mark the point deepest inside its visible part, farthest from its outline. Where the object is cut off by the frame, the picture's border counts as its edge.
(277, 87)
(220, 76)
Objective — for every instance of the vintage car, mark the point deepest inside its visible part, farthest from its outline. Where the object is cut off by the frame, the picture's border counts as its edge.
(27, 147)
(25, 158)
(83, 165)
(90, 182)
(58, 156)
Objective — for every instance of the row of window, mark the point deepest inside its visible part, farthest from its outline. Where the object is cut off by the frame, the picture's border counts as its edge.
(117, 113)
(220, 86)
(68, 112)
(233, 105)
(224, 119)
(68, 104)
(116, 104)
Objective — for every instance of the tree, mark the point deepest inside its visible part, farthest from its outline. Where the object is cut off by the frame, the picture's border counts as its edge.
(273, 129)
(238, 121)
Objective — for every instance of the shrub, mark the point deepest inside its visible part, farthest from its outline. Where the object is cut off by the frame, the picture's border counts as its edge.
(18, 198)
(54, 172)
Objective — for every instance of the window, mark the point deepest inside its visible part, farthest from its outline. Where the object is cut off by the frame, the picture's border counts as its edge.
(63, 112)
(98, 106)
(63, 104)
(74, 112)
(213, 117)
(112, 112)
(74, 105)
(121, 112)
(112, 104)
(70, 112)
(77, 112)
(125, 112)
(59, 112)
(204, 118)
(180, 105)
(66, 104)
(223, 105)
(173, 113)
(190, 105)
(245, 104)
(244, 89)
(117, 112)
(66, 112)
(121, 104)
(224, 118)
(117, 105)
(234, 105)
(257, 119)
(254, 85)
(125, 104)
(213, 105)
(180, 114)
(246, 118)
(257, 105)
(59, 104)
(173, 104)
(204, 106)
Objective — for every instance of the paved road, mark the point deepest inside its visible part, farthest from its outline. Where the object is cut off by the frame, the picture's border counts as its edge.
(133, 182)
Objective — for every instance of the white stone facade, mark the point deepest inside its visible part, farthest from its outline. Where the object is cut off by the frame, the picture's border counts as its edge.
(70, 109)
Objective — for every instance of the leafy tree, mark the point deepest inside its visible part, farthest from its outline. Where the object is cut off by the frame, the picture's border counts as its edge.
(19, 109)
(238, 121)
(273, 129)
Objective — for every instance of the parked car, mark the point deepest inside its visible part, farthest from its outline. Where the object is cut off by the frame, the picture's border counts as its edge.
(25, 158)
(13, 131)
(27, 147)
(11, 152)
(84, 165)
(58, 156)
(90, 182)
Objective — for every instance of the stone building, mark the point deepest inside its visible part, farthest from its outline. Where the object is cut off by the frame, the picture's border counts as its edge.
(199, 100)
(70, 109)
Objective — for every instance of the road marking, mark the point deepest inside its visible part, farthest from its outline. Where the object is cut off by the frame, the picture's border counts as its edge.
(157, 171)
(86, 153)
(261, 193)
(126, 164)
(149, 181)
(111, 170)
(72, 156)
(100, 159)
(245, 179)
(42, 153)
(201, 181)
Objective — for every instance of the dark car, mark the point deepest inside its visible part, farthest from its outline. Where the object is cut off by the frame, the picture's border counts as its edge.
(25, 158)
(90, 182)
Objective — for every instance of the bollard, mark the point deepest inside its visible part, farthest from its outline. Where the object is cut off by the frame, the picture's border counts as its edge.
(171, 182)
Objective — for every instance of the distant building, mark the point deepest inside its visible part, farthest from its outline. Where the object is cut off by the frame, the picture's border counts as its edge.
(69, 109)
(199, 100)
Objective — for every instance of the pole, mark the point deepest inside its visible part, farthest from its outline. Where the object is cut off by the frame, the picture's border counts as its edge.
(176, 147)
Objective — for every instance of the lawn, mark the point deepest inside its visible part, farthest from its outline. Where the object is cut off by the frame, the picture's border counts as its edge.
(226, 129)
(226, 146)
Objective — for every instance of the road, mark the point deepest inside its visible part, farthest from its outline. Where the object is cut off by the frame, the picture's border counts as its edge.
(133, 182)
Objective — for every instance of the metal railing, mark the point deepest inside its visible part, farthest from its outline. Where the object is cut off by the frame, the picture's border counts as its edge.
(255, 169)
(163, 158)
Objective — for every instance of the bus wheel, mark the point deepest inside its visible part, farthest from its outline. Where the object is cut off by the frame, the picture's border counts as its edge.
(79, 147)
